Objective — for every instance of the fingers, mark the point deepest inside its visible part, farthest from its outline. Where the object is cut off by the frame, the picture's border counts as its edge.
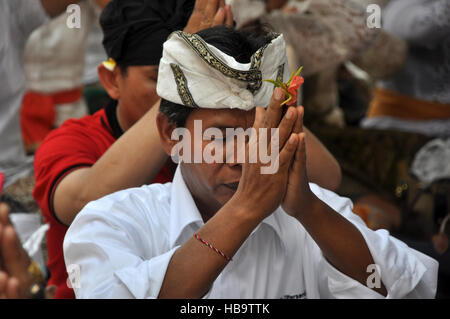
(13, 288)
(287, 125)
(3, 283)
(206, 14)
(288, 152)
(229, 20)
(300, 156)
(210, 11)
(15, 258)
(199, 5)
(9, 287)
(259, 117)
(299, 164)
(2, 265)
(4, 214)
(219, 18)
(298, 128)
(8, 248)
(196, 17)
(274, 111)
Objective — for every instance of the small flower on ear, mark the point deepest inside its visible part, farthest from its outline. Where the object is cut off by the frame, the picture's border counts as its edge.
(291, 87)
(110, 64)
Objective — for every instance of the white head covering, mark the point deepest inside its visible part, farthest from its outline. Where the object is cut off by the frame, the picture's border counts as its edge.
(196, 74)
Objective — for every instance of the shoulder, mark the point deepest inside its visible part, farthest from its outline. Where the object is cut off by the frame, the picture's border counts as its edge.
(89, 134)
(146, 207)
(79, 142)
(89, 125)
(336, 202)
(137, 218)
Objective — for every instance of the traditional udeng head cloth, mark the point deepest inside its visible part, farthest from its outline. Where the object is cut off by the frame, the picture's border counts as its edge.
(196, 74)
(135, 30)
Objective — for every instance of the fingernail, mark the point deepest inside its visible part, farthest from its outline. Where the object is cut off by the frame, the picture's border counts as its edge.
(292, 139)
(289, 114)
(278, 94)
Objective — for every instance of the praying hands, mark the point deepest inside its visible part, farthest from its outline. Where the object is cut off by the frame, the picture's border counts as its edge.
(209, 13)
(14, 261)
(15, 279)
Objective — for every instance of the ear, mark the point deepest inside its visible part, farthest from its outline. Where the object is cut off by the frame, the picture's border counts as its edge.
(109, 81)
(165, 129)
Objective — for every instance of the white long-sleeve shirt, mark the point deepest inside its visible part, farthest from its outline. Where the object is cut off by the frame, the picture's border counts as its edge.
(121, 245)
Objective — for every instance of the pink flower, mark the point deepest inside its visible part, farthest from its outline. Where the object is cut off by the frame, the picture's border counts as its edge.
(291, 87)
(295, 84)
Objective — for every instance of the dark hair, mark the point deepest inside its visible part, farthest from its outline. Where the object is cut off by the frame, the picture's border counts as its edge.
(123, 69)
(240, 44)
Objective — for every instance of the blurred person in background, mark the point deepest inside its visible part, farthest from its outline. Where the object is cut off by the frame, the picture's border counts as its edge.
(18, 19)
(54, 65)
(417, 98)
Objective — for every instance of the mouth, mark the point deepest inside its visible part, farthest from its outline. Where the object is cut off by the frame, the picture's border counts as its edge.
(232, 186)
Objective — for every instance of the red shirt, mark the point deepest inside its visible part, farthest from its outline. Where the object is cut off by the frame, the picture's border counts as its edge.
(77, 143)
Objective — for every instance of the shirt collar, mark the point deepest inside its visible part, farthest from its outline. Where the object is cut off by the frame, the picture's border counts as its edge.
(111, 115)
(184, 212)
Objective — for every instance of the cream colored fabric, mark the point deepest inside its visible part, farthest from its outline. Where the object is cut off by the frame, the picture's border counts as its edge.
(54, 53)
(214, 87)
(245, 11)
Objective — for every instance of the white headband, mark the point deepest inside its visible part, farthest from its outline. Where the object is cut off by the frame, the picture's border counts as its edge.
(196, 74)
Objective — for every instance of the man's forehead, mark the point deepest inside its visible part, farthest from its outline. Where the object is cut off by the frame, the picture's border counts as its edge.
(222, 118)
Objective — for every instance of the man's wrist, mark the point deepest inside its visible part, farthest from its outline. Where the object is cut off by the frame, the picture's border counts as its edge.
(247, 212)
(309, 205)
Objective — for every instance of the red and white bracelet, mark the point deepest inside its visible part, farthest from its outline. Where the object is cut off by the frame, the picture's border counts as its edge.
(212, 247)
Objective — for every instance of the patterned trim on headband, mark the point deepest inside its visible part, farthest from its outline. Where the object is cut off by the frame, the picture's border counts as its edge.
(182, 86)
(253, 76)
(280, 74)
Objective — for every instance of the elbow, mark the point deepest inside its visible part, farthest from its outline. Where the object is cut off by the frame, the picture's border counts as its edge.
(333, 179)
(66, 208)
(335, 182)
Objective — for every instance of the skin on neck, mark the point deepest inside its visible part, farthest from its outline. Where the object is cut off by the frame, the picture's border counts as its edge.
(121, 118)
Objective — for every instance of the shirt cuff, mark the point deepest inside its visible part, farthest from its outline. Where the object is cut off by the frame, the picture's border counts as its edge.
(145, 280)
(342, 286)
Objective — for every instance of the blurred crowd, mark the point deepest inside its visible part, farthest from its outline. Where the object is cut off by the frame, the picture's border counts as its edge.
(75, 128)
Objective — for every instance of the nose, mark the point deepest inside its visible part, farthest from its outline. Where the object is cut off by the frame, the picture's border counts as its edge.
(235, 152)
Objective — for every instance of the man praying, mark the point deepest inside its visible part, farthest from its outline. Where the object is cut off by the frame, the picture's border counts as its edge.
(224, 229)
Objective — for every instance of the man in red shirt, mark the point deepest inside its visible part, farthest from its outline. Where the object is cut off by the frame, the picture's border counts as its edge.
(84, 159)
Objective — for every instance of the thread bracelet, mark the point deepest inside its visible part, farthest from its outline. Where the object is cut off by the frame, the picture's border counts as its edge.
(212, 247)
